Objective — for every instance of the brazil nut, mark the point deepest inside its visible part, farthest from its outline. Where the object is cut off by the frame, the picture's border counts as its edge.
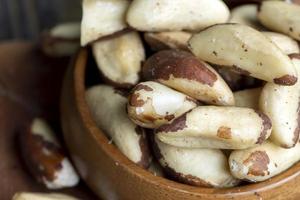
(102, 18)
(176, 15)
(152, 104)
(248, 98)
(105, 104)
(262, 162)
(249, 53)
(168, 40)
(282, 105)
(182, 71)
(286, 19)
(217, 127)
(44, 157)
(284, 42)
(191, 166)
(119, 58)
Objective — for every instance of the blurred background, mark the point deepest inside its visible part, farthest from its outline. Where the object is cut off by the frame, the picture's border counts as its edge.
(25, 19)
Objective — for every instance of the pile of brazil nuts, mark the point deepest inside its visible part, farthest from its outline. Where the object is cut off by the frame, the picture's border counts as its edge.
(194, 91)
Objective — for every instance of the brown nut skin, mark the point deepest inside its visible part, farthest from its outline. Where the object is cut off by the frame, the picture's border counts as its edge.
(152, 104)
(182, 71)
(262, 162)
(197, 167)
(45, 158)
(294, 1)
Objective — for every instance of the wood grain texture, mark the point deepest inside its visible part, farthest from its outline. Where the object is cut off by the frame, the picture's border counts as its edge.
(112, 176)
(30, 85)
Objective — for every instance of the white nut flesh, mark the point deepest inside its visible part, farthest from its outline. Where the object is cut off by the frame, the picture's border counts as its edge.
(42, 196)
(168, 40)
(246, 50)
(108, 108)
(119, 58)
(248, 98)
(247, 15)
(45, 158)
(176, 15)
(182, 71)
(262, 162)
(152, 104)
(282, 105)
(198, 167)
(281, 17)
(217, 127)
(285, 43)
(66, 30)
(101, 18)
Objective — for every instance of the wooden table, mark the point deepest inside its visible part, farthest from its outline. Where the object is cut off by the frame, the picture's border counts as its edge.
(30, 86)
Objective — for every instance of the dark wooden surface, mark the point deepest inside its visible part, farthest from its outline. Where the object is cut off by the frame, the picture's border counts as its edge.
(30, 86)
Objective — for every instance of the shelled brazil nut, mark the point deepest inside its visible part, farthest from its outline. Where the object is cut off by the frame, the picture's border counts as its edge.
(217, 127)
(42, 196)
(62, 40)
(286, 20)
(182, 71)
(198, 167)
(45, 158)
(246, 50)
(152, 104)
(262, 162)
(107, 103)
(168, 40)
(284, 42)
(102, 18)
(176, 15)
(248, 98)
(247, 15)
(119, 58)
(281, 104)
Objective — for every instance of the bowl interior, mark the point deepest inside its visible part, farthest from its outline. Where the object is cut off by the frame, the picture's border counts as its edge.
(86, 74)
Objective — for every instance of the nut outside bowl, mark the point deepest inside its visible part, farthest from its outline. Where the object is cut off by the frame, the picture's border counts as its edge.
(112, 176)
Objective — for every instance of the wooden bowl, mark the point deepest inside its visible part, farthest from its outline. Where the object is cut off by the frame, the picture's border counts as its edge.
(112, 176)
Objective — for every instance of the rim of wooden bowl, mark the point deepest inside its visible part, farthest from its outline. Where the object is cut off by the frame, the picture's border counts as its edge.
(80, 65)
